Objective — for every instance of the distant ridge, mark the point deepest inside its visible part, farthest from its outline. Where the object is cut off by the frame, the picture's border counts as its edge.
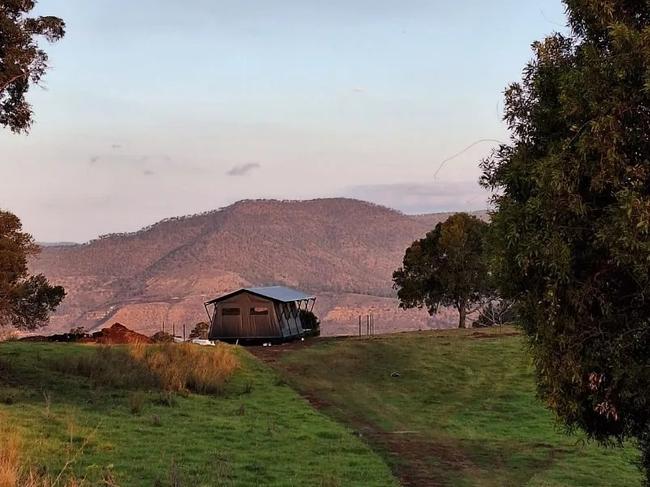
(343, 250)
(56, 244)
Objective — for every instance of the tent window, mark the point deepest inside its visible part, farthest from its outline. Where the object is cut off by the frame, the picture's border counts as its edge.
(259, 311)
(230, 312)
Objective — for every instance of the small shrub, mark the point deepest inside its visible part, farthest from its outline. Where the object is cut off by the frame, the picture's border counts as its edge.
(162, 337)
(136, 402)
(200, 330)
(155, 421)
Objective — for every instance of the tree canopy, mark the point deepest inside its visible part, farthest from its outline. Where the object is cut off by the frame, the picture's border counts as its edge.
(446, 268)
(572, 217)
(25, 300)
(22, 61)
(200, 330)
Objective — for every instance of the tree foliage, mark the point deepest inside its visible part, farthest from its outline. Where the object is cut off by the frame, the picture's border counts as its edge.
(572, 219)
(200, 331)
(446, 268)
(26, 301)
(22, 61)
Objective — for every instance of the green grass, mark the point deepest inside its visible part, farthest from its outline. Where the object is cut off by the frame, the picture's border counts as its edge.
(463, 410)
(258, 432)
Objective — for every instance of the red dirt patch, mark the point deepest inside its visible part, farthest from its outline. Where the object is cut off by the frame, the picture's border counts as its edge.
(116, 334)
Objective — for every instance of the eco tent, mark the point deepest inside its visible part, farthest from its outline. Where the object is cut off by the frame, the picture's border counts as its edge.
(257, 313)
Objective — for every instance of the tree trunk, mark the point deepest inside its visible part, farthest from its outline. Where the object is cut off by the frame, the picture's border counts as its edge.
(462, 316)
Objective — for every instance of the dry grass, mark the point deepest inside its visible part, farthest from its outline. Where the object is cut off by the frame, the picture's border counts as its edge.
(186, 367)
(15, 473)
(9, 459)
(167, 366)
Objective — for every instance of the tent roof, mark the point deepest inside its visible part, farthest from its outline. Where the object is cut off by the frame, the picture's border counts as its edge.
(281, 294)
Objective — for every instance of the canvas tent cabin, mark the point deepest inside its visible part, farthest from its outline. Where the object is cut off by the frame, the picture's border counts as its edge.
(258, 313)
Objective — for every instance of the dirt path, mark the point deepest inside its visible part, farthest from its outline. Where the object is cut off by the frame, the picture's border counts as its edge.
(417, 460)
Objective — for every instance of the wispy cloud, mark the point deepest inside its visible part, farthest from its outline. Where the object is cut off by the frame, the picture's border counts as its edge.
(424, 197)
(243, 169)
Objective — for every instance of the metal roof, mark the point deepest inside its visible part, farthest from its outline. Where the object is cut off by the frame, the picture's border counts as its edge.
(276, 293)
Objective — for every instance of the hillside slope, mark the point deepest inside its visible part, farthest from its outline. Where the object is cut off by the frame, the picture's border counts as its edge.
(342, 250)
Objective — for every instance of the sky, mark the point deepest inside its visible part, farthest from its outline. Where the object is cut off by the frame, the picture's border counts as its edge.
(161, 108)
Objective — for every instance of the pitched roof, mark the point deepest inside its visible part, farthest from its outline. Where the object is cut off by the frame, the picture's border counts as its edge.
(281, 294)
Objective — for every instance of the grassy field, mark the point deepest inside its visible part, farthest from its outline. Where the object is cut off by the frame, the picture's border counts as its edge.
(258, 431)
(451, 408)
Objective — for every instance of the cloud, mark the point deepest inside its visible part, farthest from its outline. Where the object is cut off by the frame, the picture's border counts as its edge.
(148, 172)
(116, 146)
(243, 169)
(417, 198)
(93, 159)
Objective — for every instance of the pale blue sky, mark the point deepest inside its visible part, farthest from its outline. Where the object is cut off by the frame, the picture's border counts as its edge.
(162, 108)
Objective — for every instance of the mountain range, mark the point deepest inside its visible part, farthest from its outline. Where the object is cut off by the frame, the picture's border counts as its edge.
(342, 250)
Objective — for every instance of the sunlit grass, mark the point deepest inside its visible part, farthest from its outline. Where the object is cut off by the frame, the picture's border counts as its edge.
(253, 431)
(467, 405)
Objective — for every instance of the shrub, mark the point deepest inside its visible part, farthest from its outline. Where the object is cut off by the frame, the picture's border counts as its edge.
(310, 323)
(200, 331)
(162, 337)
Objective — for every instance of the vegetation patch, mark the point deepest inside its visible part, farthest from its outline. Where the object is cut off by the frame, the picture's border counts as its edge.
(251, 433)
(166, 366)
(455, 407)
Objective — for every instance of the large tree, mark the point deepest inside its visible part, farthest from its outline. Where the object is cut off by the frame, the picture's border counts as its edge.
(22, 61)
(446, 268)
(26, 301)
(572, 217)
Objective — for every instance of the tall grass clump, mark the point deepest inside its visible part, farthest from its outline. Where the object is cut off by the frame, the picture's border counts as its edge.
(186, 367)
(9, 459)
(167, 366)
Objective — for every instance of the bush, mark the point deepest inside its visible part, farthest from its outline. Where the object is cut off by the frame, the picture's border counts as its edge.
(200, 331)
(310, 323)
(162, 337)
